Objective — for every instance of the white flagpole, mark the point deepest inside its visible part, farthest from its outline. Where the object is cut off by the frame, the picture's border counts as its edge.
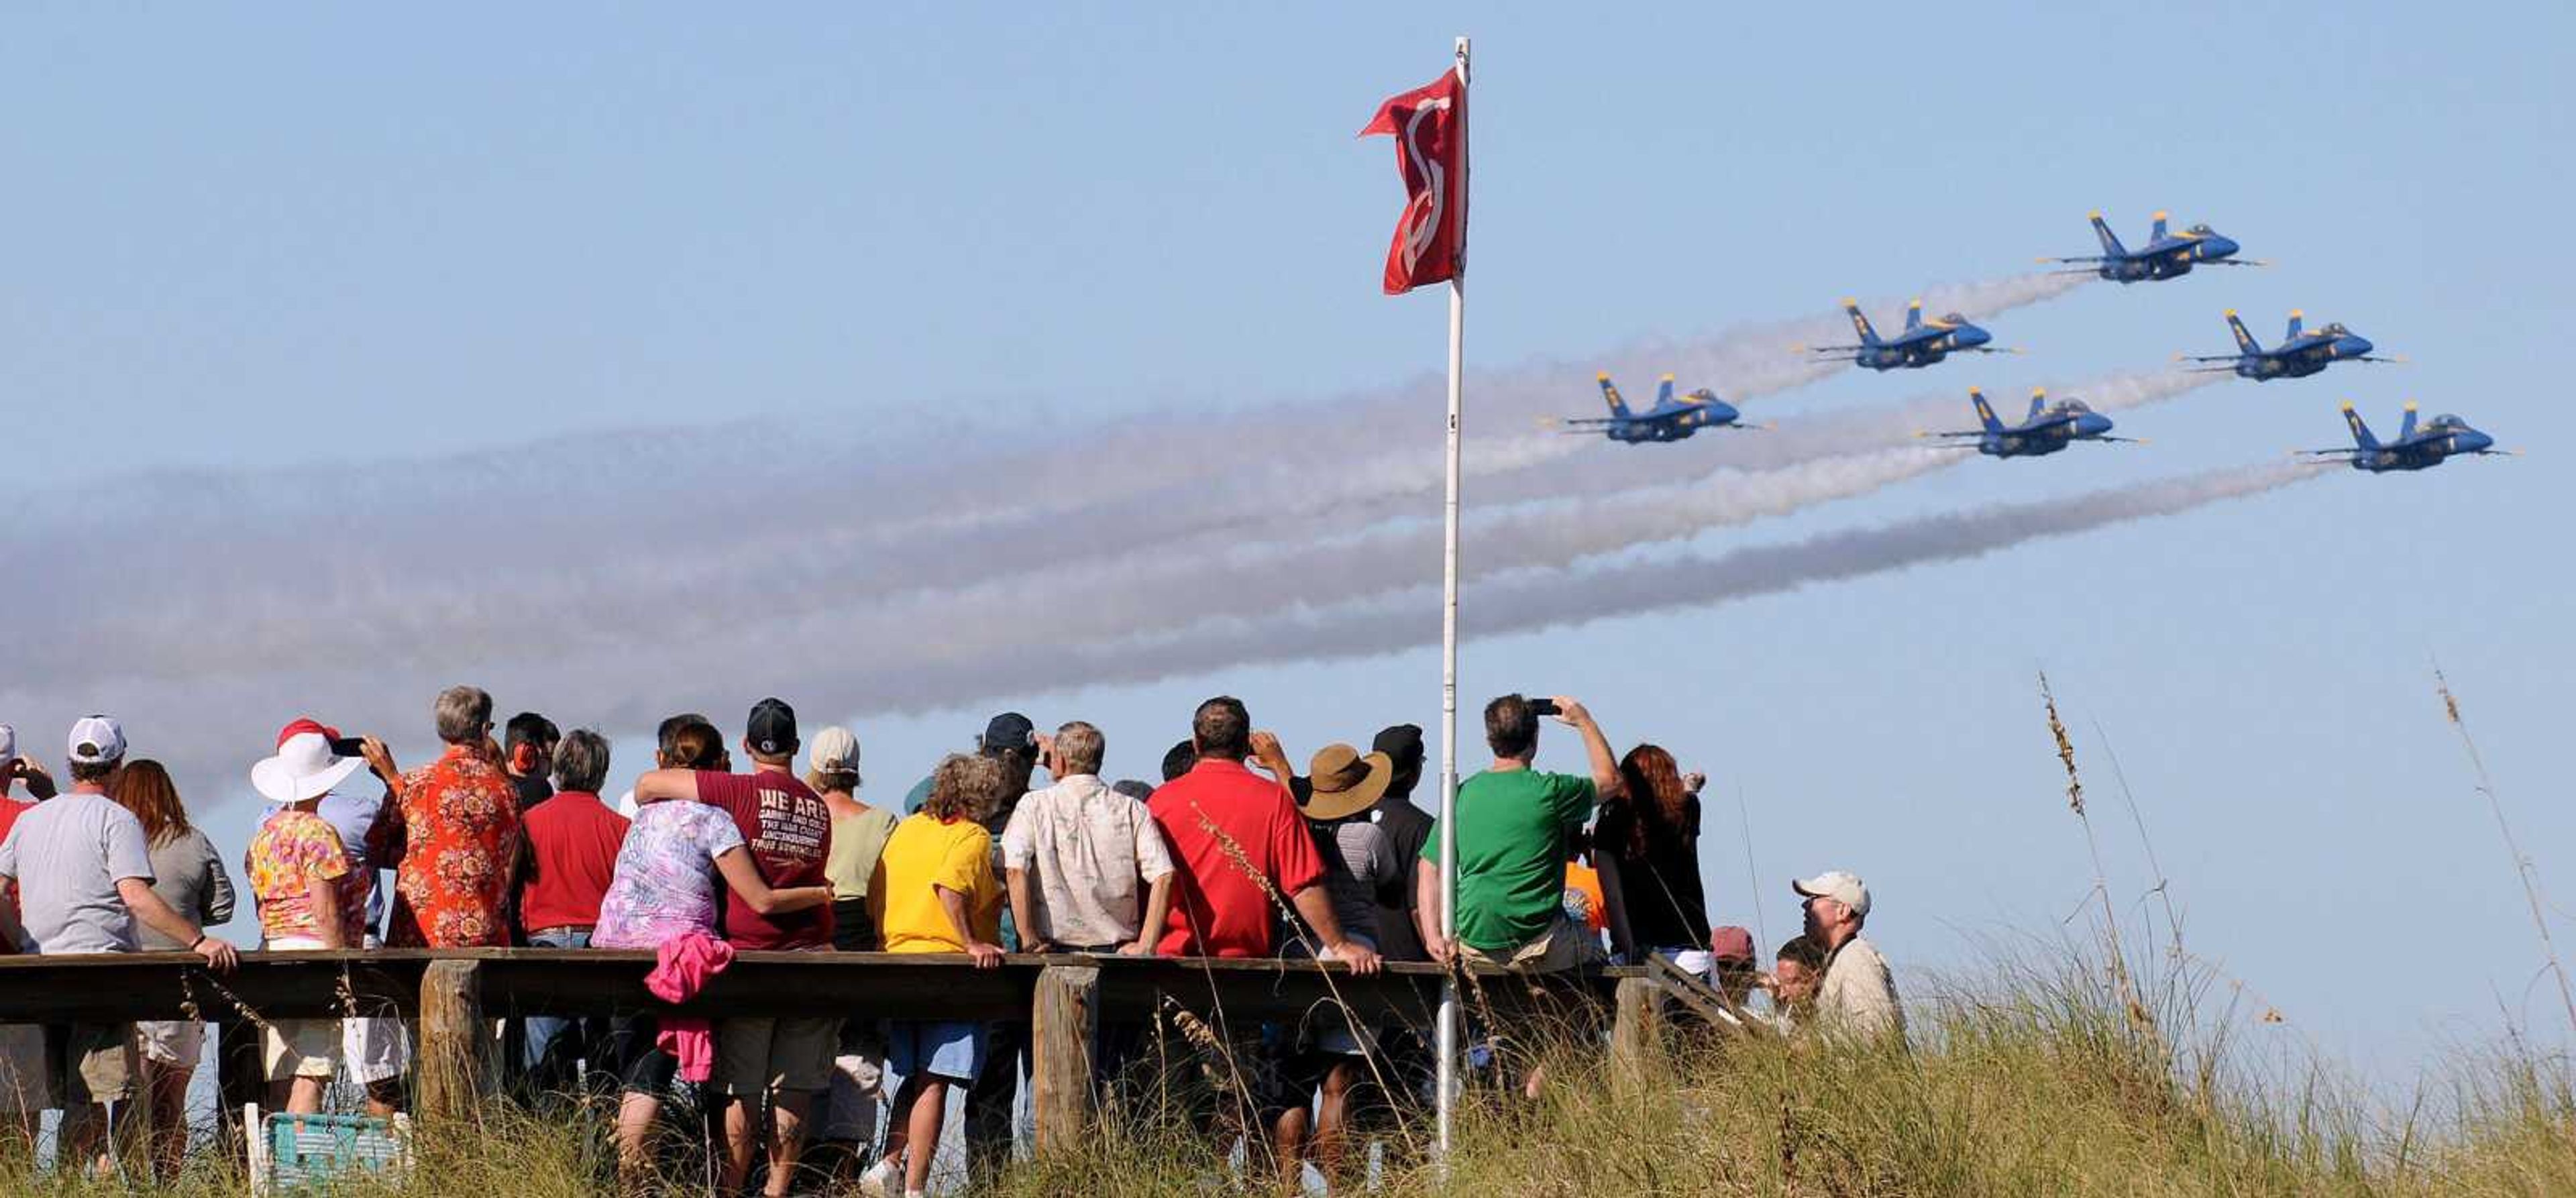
(1448, 1020)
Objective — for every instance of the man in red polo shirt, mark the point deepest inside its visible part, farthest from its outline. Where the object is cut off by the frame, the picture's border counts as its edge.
(568, 855)
(789, 830)
(1220, 809)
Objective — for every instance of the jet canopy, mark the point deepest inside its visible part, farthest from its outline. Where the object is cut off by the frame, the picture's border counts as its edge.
(2334, 330)
(2074, 405)
(2446, 420)
(1954, 318)
(2204, 230)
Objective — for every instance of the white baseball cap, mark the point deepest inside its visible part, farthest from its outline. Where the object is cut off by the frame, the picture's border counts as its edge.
(96, 740)
(1844, 888)
(835, 751)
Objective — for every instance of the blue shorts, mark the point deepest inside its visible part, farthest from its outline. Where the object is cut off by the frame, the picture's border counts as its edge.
(950, 1050)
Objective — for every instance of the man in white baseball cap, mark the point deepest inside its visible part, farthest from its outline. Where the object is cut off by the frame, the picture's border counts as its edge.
(1858, 995)
(84, 878)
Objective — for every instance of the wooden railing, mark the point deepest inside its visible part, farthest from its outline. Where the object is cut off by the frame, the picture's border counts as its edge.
(451, 994)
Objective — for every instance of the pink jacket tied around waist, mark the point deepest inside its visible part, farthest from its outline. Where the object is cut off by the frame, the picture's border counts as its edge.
(686, 962)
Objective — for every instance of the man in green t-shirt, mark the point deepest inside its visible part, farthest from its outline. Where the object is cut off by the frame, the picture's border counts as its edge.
(1513, 825)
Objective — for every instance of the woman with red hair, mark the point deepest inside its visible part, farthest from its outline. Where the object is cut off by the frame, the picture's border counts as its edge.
(1646, 845)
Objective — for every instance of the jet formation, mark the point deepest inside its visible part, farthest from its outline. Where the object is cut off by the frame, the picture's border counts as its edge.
(2050, 428)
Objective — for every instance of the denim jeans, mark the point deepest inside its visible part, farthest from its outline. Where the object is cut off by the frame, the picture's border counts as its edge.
(556, 1047)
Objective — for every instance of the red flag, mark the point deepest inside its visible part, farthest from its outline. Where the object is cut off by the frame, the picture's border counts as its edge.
(1429, 125)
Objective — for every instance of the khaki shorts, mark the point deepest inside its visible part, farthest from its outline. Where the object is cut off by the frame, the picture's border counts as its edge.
(755, 1056)
(1561, 947)
(90, 1063)
(301, 1048)
(24, 1081)
(173, 1043)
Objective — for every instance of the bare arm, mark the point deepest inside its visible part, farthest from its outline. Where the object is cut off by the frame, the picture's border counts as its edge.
(745, 880)
(1315, 904)
(987, 956)
(1605, 764)
(1158, 911)
(1021, 909)
(158, 916)
(1426, 911)
(658, 786)
(328, 925)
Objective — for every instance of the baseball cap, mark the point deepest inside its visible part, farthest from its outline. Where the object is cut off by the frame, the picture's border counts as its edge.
(1844, 888)
(1009, 730)
(772, 728)
(96, 740)
(8, 744)
(835, 751)
(1731, 943)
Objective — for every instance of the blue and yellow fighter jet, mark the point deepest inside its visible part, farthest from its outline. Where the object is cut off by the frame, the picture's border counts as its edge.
(1669, 420)
(1921, 344)
(2166, 255)
(2440, 439)
(2047, 429)
(2301, 353)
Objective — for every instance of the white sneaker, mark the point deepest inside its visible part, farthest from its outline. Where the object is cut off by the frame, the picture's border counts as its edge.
(882, 1180)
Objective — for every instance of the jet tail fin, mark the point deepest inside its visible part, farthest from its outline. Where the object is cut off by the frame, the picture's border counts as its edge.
(2244, 341)
(2406, 426)
(2158, 233)
(2110, 240)
(1913, 315)
(1610, 395)
(2038, 402)
(1664, 393)
(1860, 323)
(2360, 431)
(2298, 321)
(1985, 411)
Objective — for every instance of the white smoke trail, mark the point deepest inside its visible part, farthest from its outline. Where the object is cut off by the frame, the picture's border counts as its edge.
(644, 534)
(997, 641)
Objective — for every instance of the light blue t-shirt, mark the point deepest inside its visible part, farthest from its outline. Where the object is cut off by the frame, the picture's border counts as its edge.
(67, 854)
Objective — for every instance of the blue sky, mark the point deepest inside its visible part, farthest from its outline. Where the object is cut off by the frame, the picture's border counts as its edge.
(335, 241)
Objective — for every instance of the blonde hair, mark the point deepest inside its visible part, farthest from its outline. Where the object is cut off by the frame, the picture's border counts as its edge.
(965, 787)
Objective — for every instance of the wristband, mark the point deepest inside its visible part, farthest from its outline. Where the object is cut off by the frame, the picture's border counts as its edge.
(201, 939)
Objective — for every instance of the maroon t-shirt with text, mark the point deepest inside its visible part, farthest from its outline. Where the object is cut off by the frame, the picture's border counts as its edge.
(789, 830)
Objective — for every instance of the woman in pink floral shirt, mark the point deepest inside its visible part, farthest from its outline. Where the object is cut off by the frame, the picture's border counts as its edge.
(458, 819)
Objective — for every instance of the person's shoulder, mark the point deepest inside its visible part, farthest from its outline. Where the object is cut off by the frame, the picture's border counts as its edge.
(1859, 951)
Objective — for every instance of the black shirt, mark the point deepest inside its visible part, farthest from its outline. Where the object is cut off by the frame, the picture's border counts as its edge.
(1661, 890)
(1407, 827)
(533, 789)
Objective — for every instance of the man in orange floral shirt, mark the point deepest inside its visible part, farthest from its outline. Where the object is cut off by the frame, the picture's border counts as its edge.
(458, 823)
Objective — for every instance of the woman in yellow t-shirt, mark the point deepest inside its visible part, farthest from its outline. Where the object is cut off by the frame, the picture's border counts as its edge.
(934, 892)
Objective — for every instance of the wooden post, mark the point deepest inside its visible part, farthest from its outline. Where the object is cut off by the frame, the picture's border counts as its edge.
(1064, 1024)
(455, 1042)
(1636, 1027)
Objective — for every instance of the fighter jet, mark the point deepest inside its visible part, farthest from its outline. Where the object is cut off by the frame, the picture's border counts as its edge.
(2440, 439)
(1669, 420)
(2165, 256)
(1921, 344)
(2047, 429)
(2300, 354)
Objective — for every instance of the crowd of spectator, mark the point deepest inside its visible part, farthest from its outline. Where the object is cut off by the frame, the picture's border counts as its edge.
(1236, 853)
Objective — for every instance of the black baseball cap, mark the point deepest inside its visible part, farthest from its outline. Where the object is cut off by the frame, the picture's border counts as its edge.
(772, 728)
(1009, 730)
